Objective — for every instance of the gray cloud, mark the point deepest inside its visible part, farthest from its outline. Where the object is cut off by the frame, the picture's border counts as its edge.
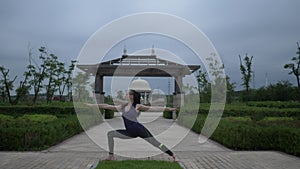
(268, 29)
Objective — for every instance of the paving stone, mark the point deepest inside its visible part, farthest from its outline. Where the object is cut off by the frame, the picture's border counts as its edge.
(80, 152)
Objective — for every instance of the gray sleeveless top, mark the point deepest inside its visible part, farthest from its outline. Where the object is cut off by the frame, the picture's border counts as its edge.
(130, 117)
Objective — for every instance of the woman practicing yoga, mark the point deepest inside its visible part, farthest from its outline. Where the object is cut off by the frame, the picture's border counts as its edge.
(134, 129)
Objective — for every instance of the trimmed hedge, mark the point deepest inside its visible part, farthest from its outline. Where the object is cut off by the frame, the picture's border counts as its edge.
(37, 128)
(275, 104)
(54, 110)
(242, 133)
(22, 135)
(251, 136)
(255, 126)
(255, 112)
(38, 118)
(109, 114)
(169, 114)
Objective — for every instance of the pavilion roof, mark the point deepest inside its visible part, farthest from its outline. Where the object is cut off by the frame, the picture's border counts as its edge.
(139, 65)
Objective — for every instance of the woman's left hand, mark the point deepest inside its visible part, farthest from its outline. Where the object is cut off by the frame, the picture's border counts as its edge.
(89, 105)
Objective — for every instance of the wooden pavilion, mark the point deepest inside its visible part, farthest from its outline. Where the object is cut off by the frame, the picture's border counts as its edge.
(139, 66)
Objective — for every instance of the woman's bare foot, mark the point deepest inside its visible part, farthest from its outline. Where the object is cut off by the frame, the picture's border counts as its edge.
(110, 157)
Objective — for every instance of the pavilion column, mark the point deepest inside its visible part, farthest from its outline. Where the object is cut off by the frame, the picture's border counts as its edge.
(178, 99)
(99, 93)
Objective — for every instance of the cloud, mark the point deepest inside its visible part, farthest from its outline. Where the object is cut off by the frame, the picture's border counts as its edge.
(268, 29)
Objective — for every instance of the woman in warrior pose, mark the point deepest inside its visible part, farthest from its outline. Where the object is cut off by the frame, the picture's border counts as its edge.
(133, 129)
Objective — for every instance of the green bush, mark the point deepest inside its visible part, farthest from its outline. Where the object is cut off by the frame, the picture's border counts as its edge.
(36, 131)
(192, 123)
(23, 135)
(254, 126)
(109, 114)
(239, 119)
(242, 133)
(256, 113)
(54, 110)
(167, 115)
(247, 136)
(275, 104)
(277, 119)
(38, 118)
(4, 117)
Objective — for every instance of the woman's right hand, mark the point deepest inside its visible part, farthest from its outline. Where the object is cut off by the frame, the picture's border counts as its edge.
(89, 105)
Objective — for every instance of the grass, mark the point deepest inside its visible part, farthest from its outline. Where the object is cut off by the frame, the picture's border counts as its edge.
(138, 164)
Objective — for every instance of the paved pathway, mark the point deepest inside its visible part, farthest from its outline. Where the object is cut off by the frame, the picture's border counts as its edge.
(82, 153)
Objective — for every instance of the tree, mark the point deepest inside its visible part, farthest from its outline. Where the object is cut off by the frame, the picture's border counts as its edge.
(202, 80)
(50, 64)
(189, 89)
(295, 68)
(2, 91)
(79, 86)
(64, 79)
(203, 85)
(60, 80)
(281, 91)
(50, 71)
(50, 75)
(218, 80)
(23, 88)
(37, 74)
(246, 73)
(230, 90)
(68, 80)
(120, 95)
(8, 84)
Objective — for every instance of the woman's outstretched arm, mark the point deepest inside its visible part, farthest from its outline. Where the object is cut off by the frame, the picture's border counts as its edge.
(105, 106)
(141, 107)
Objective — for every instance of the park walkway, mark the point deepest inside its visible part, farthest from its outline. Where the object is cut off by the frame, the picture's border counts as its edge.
(81, 151)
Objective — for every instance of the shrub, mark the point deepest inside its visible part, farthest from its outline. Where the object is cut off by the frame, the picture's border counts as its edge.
(39, 131)
(275, 104)
(38, 118)
(4, 118)
(167, 115)
(109, 114)
(277, 119)
(32, 135)
(257, 113)
(190, 122)
(18, 110)
(241, 133)
(239, 119)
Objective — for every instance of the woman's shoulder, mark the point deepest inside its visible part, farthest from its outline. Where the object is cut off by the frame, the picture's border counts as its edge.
(141, 107)
(123, 105)
(138, 107)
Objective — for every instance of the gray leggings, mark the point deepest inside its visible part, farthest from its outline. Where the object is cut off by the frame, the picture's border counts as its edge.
(125, 134)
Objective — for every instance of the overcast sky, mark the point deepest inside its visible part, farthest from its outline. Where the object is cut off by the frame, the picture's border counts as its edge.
(267, 29)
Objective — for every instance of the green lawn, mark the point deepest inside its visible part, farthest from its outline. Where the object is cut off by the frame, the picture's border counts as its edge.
(138, 164)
